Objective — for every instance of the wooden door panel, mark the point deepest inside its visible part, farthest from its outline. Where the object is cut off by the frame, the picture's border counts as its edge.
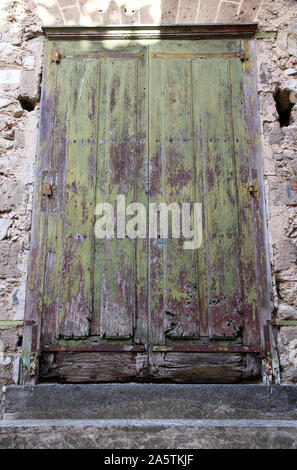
(220, 203)
(75, 310)
(114, 300)
(100, 281)
(52, 207)
(194, 127)
(173, 307)
(160, 123)
(120, 275)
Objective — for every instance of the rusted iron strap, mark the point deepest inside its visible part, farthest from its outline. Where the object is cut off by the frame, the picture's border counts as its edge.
(94, 348)
(94, 55)
(29, 322)
(34, 340)
(208, 349)
(267, 338)
(227, 55)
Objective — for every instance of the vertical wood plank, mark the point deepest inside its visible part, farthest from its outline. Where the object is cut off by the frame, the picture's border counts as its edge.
(174, 297)
(55, 206)
(33, 308)
(75, 310)
(224, 304)
(262, 270)
(120, 262)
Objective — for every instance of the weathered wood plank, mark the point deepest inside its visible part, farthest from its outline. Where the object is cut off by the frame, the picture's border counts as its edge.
(33, 308)
(172, 178)
(206, 367)
(69, 367)
(220, 202)
(55, 207)
(262, 313)
(242, 144)
(75, 310)
(120, 261)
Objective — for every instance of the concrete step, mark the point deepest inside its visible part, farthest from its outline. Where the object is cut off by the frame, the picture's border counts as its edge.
(148, 434)
(151, 401)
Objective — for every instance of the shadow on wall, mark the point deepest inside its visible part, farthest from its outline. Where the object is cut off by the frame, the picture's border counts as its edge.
(97, 12)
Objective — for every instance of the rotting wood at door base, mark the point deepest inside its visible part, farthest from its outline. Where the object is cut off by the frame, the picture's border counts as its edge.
(70, 367)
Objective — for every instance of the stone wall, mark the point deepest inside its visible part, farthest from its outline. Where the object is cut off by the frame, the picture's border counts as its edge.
(21, 46)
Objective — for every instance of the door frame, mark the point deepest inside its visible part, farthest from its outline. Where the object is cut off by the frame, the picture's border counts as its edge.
(247, 33)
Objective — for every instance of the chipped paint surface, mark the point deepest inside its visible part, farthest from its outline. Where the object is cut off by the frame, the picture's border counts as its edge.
(142, 123)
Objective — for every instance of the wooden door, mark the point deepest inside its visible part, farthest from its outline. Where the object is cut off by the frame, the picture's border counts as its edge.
(165, 122)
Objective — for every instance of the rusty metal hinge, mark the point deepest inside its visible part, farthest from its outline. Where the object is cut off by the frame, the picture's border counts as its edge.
(47, 189)
(243, 56)
(56, 57)
(251, 188)
(49, 185)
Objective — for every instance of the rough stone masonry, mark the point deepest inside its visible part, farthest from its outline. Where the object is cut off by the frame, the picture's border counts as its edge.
(21, 48)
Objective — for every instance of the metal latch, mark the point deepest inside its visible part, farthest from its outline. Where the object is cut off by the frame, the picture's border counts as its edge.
(49, 185)
(251, 188)
(56, 57)
(47, 189)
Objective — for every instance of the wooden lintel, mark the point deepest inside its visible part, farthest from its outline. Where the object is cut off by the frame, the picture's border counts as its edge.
(180, 31)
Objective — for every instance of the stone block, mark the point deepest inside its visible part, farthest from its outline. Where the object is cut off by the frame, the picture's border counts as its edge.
(11, 195)
(67, 3)
(169, 11)
(248, 10)
(10, 76)
(9, 255)
(147, 17)
(129, 15)
(227, 12)
(49, 13)
(265, 73)
(288, 334)
(4, 226)
(151, 401)
(290, 72)
(19, 138)
(268, 108)
(5, 102)
(72, 16)
(29, 85)
(208, 11)
(293, 115)
(290, 134)
(286, 312)
(188, 11)
(292, 38)
(287, 291)
(285, 255)
(275, 135)
(112, 15)
(148, 434)
(29, 62)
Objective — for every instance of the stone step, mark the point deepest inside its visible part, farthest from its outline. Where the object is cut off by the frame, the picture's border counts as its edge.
(148, 434)
(151, 401)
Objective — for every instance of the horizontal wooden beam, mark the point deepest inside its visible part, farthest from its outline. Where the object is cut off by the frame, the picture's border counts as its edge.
(11, 323)
(187, 31)
(284, 323)
(231, 348)
(83, 347)
(191, 348)
(265, 35)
